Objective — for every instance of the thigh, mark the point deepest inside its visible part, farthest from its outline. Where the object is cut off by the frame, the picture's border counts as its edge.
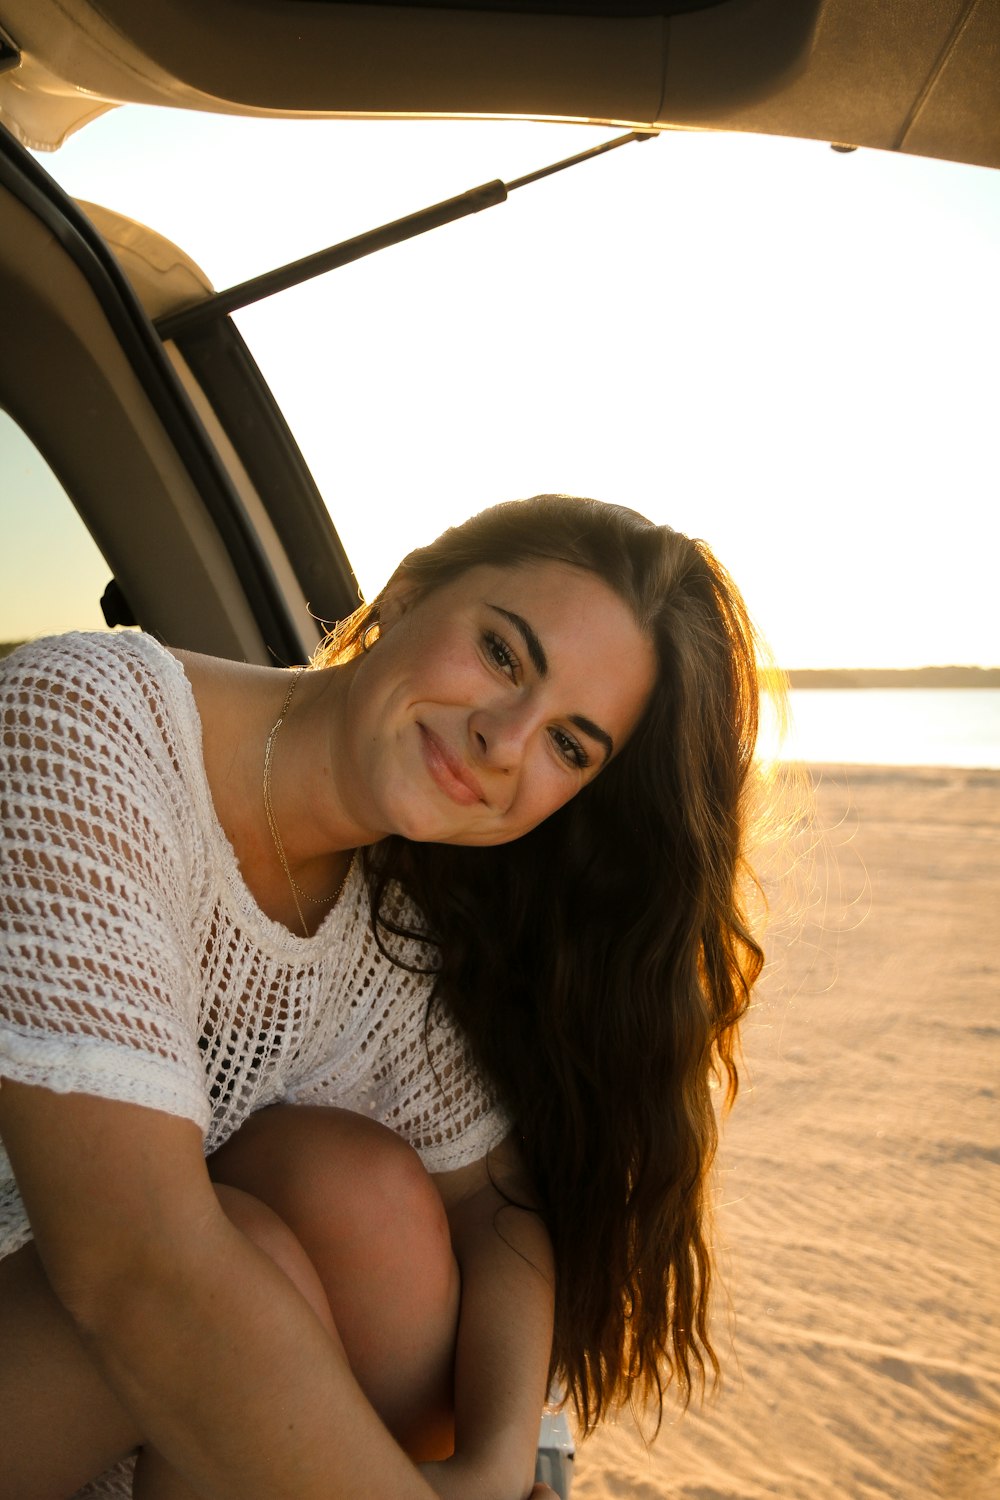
(368, 1215)
(59, 1422)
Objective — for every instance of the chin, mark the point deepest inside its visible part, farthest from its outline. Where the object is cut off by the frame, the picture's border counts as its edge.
(487, 838)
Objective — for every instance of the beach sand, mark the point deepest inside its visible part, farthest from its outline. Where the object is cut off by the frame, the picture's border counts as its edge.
(859, 1179)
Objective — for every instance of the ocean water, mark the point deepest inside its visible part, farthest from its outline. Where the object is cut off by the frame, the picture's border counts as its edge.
(891, 727)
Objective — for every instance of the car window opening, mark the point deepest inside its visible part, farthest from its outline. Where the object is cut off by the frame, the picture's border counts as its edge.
(257, 288)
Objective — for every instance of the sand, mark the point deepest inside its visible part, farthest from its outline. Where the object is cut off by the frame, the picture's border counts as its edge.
(859, 1182)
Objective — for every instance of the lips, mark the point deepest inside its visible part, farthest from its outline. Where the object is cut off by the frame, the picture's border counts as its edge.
(449, 774)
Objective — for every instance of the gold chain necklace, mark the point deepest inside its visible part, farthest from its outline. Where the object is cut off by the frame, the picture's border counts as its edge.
(294, 886)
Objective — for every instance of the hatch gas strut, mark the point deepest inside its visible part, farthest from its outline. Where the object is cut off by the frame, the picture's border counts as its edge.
(219, 304)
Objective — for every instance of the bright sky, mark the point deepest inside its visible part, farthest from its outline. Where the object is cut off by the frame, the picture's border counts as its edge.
(787, 351)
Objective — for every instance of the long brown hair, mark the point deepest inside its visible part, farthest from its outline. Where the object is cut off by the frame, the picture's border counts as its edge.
(599, 966)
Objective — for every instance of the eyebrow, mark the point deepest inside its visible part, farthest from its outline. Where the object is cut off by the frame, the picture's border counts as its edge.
(532, 644)
(540, 662)
(595, 732)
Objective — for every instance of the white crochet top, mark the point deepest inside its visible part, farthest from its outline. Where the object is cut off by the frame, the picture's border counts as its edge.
(136, 965)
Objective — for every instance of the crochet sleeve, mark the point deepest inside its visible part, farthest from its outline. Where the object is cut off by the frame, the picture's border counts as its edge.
(97, 995)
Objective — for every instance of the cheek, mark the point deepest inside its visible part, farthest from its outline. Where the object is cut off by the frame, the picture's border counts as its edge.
(439, 667)
(548, 790)
(537, 798)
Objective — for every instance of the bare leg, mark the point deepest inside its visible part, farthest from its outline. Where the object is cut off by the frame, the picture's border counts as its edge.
(342, 1179)
(362, 1206)
(379, 1266)
(59, 1423)
(156, 1480)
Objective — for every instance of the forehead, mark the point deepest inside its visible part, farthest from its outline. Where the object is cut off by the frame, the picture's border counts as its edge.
(559, 589)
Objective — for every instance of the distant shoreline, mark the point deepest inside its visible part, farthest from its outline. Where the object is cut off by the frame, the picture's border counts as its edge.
(843, 677)
(908, 677)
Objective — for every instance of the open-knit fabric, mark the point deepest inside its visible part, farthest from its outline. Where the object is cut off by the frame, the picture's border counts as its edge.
(135, 964)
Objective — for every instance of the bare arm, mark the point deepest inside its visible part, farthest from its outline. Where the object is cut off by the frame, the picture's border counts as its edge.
(505, 1331)
(224, 1367)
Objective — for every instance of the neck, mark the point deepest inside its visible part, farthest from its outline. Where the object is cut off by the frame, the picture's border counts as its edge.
(309, 801)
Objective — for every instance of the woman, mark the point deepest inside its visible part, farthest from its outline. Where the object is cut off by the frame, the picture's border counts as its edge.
(503, 1015)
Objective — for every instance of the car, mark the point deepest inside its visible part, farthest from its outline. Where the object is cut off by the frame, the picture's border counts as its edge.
(121, 368)
(247, 558)
(920, 78)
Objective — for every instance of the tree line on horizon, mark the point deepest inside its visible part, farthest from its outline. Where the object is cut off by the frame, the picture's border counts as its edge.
(901, 677)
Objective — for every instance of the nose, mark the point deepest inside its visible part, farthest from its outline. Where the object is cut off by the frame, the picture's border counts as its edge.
(500, 735)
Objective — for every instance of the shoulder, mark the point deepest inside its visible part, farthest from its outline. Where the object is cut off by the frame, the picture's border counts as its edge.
(108, 715)
(73, 674)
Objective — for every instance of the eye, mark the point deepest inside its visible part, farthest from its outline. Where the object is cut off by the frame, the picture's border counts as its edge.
(500, 655)
(570, 749)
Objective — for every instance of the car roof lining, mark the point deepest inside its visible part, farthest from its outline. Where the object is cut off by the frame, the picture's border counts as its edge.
(919, 77)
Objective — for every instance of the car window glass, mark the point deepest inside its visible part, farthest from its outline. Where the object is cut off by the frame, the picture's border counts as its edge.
(52, 574)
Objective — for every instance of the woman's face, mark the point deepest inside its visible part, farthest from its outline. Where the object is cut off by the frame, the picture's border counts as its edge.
(490, 702)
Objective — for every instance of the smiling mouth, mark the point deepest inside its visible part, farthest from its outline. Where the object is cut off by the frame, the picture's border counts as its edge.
(447, 773)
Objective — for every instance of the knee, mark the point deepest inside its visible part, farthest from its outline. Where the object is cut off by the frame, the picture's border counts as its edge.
(359, 1182)
(388, 1188)
(336, 1176)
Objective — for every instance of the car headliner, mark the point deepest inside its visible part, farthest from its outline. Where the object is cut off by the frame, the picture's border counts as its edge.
(922, 78)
